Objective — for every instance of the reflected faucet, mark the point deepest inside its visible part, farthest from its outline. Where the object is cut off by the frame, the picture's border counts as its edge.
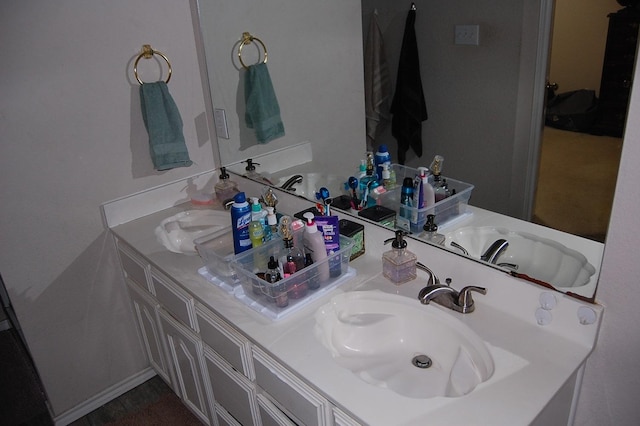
(288, 185)
(495, 250)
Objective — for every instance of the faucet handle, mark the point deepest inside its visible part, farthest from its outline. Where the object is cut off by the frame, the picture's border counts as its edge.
(465, 301)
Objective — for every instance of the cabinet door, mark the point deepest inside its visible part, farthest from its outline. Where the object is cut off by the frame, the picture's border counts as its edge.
(173, 299)
(293, 395)
(185, 355)
(225, 341)
(271, 415)
(231, 390)
(144, 309)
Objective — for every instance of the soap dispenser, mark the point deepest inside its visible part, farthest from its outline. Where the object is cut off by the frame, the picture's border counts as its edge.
(430, 233)
(399, 264)
(225, 188)
(250, 171)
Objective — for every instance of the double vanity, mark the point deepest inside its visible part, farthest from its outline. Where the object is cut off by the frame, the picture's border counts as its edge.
(367, 352)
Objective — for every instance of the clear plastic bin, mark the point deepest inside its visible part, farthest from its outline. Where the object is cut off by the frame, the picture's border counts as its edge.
(216, 251)
(276, 299)
(413, 219)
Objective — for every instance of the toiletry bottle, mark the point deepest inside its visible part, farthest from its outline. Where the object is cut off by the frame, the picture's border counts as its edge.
(386, 177)
(362, 170)
(289, 249)
(423, 197)
(365, 183)
(259, 215)
(240, 219)
(314, 240)
(406, 204)
(382, 156)
(313, 279)
(250, 171)
(272, 224)
(439, 188)
(298, 288)
(399, 264)
(430, 232)
(276, 292)
(225, 189)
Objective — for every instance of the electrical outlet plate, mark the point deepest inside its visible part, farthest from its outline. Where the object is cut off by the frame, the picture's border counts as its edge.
(467, 34)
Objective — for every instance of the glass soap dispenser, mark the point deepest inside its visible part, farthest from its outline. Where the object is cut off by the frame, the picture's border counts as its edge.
(225, 188)
(430, 232)
(398, 264)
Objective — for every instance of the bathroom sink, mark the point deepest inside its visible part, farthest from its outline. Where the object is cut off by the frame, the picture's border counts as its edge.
(176, 233)
(394, 342)
(537, 257)
(312, 182)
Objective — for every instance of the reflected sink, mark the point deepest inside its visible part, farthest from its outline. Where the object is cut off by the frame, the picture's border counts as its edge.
(537, 257)
(394, 342)
(312, 182)
(176, 233)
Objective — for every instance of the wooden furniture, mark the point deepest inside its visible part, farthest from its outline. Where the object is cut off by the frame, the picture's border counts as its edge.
(617, 71)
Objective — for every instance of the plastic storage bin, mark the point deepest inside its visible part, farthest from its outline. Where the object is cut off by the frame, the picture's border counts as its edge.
(413, 219)
(216, 251)
(277, 299)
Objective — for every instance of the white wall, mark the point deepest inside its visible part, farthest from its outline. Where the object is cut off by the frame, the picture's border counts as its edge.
(73, 138)
(609, 391)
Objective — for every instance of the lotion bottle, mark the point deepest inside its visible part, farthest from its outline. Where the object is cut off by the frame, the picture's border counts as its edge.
(315, 241)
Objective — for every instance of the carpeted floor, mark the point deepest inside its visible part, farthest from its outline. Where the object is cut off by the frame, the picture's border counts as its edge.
(576, 182)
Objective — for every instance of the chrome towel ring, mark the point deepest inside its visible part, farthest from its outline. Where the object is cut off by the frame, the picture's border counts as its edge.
(248, 39)
(147, 53)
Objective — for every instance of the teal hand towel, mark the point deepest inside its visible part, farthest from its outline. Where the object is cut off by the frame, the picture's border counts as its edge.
(262, 110)
(164, 126)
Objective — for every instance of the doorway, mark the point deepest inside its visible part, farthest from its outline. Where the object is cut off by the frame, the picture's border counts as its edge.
(577, 170)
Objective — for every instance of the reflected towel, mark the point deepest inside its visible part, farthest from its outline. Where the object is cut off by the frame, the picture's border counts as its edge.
(377, 84)
(408, 107)
(263, 112)
(164, 126)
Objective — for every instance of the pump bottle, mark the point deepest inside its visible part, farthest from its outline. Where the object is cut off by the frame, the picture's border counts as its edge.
(315, 241)
(399, 264)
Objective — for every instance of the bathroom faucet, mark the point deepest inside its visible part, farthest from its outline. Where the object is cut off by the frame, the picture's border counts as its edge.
(495, 250)
(449, 298)
(288, 185)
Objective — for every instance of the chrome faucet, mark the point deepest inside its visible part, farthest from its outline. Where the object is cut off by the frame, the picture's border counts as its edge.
(495, 250)
(288, 185)
(449, 298)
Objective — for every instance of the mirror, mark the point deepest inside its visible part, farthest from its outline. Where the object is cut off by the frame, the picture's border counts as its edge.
(481, 117)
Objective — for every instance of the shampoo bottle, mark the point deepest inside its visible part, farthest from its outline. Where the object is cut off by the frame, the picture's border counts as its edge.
(315, 241)
(382, 156)
(240, 219)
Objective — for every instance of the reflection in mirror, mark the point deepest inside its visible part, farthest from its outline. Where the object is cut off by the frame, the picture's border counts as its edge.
(480, 99)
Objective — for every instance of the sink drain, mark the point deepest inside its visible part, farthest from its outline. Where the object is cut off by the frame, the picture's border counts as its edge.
(421, 361)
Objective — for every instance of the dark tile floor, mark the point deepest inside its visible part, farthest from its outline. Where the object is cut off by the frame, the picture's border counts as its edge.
(130, 402)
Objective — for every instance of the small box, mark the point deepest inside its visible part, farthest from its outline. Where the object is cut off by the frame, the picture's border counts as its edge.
(355, 231)
(380, 214)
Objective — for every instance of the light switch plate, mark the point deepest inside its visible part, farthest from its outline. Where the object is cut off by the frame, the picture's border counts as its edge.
(220, 119)
(467, 34)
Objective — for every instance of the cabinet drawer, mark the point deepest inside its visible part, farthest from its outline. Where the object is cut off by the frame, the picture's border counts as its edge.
(291, 393)
(340, 418)
(135, 269)
(224, 418)
(224, 340)
(270, 414)
(234, 392)
(173, 299)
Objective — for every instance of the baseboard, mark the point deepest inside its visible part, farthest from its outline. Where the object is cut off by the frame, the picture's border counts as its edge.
(103, 397)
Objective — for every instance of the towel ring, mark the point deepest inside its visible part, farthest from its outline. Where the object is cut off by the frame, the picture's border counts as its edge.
(147, 53)
(248, 39)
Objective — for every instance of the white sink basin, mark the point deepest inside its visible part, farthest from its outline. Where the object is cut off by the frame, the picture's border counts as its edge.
(378, 336)
(537, 257)
(177, 232)
(312, 182)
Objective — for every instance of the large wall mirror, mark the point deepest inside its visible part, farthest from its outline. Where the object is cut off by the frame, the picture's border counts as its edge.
(484, 102)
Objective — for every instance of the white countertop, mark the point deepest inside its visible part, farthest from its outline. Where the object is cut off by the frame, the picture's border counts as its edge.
(532, 361)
